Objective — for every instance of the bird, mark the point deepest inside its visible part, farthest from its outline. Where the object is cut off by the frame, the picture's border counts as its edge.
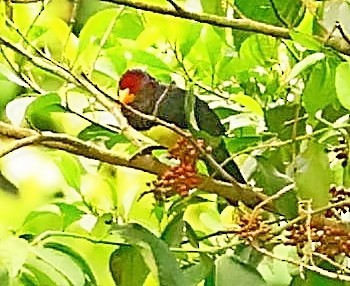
(141, 91)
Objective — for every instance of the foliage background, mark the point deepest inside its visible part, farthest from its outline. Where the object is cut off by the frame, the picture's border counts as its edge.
(275, 71)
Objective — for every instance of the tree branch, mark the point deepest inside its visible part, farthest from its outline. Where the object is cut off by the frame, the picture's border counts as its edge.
(248, 25)
(147, 163)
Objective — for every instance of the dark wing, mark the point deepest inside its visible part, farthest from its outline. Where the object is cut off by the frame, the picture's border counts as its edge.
(172, 107)
(207, 120)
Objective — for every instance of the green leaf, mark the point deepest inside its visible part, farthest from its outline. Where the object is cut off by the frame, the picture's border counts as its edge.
(248, 102)
(116, 58)
(259, 50)
(291, 12)
(76, 257)
(149, 59)
(237, 144)
(258, 10)
(28, 278)
(128, 267)
(40, 221)
(102, 226)
(230, 66)
(95, 28)
(128, 26)
(342, 84)
(213, 45)
(306, 40)
(304, 64)
(277, 272)
(190, 34)
(173, 231)
(198, 272)
(213, 7)
(155, 253)
(62, 263)
(70, 213)
(39, 111)
(313, 175)
(70, 168)
(9, 91)
(229, 271)
(278, 117)
(203, 217)
(320, 87)
(276, 12)
(95, 132)
(105, 28)
(271, 180)
(191, 234)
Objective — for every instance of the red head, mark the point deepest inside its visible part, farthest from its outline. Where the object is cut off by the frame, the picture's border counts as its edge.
(134, 80)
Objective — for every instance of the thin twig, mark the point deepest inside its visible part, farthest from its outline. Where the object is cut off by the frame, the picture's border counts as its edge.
(177, 7)
(275, 196)
(342, 32)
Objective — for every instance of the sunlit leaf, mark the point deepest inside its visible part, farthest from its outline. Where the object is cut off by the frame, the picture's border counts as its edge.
(45, 273)
(342, 84)
(62, 263)
(70, 213)
(96, 27)
(320, 87)
(248, 102)
(146, 58)
(203, 217)
(40, 110)
(70, 168)
(259, 50)
(39, 221)
(304, 64)
(76, 257)
(213, 7)
(191, 33)
(313, 175)
(13, 253)
(306, 40)
(213, 45)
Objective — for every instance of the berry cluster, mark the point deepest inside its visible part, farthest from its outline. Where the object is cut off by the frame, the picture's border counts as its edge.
(329, 240)
(338, 194)
(253, 228)
(180, 179)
